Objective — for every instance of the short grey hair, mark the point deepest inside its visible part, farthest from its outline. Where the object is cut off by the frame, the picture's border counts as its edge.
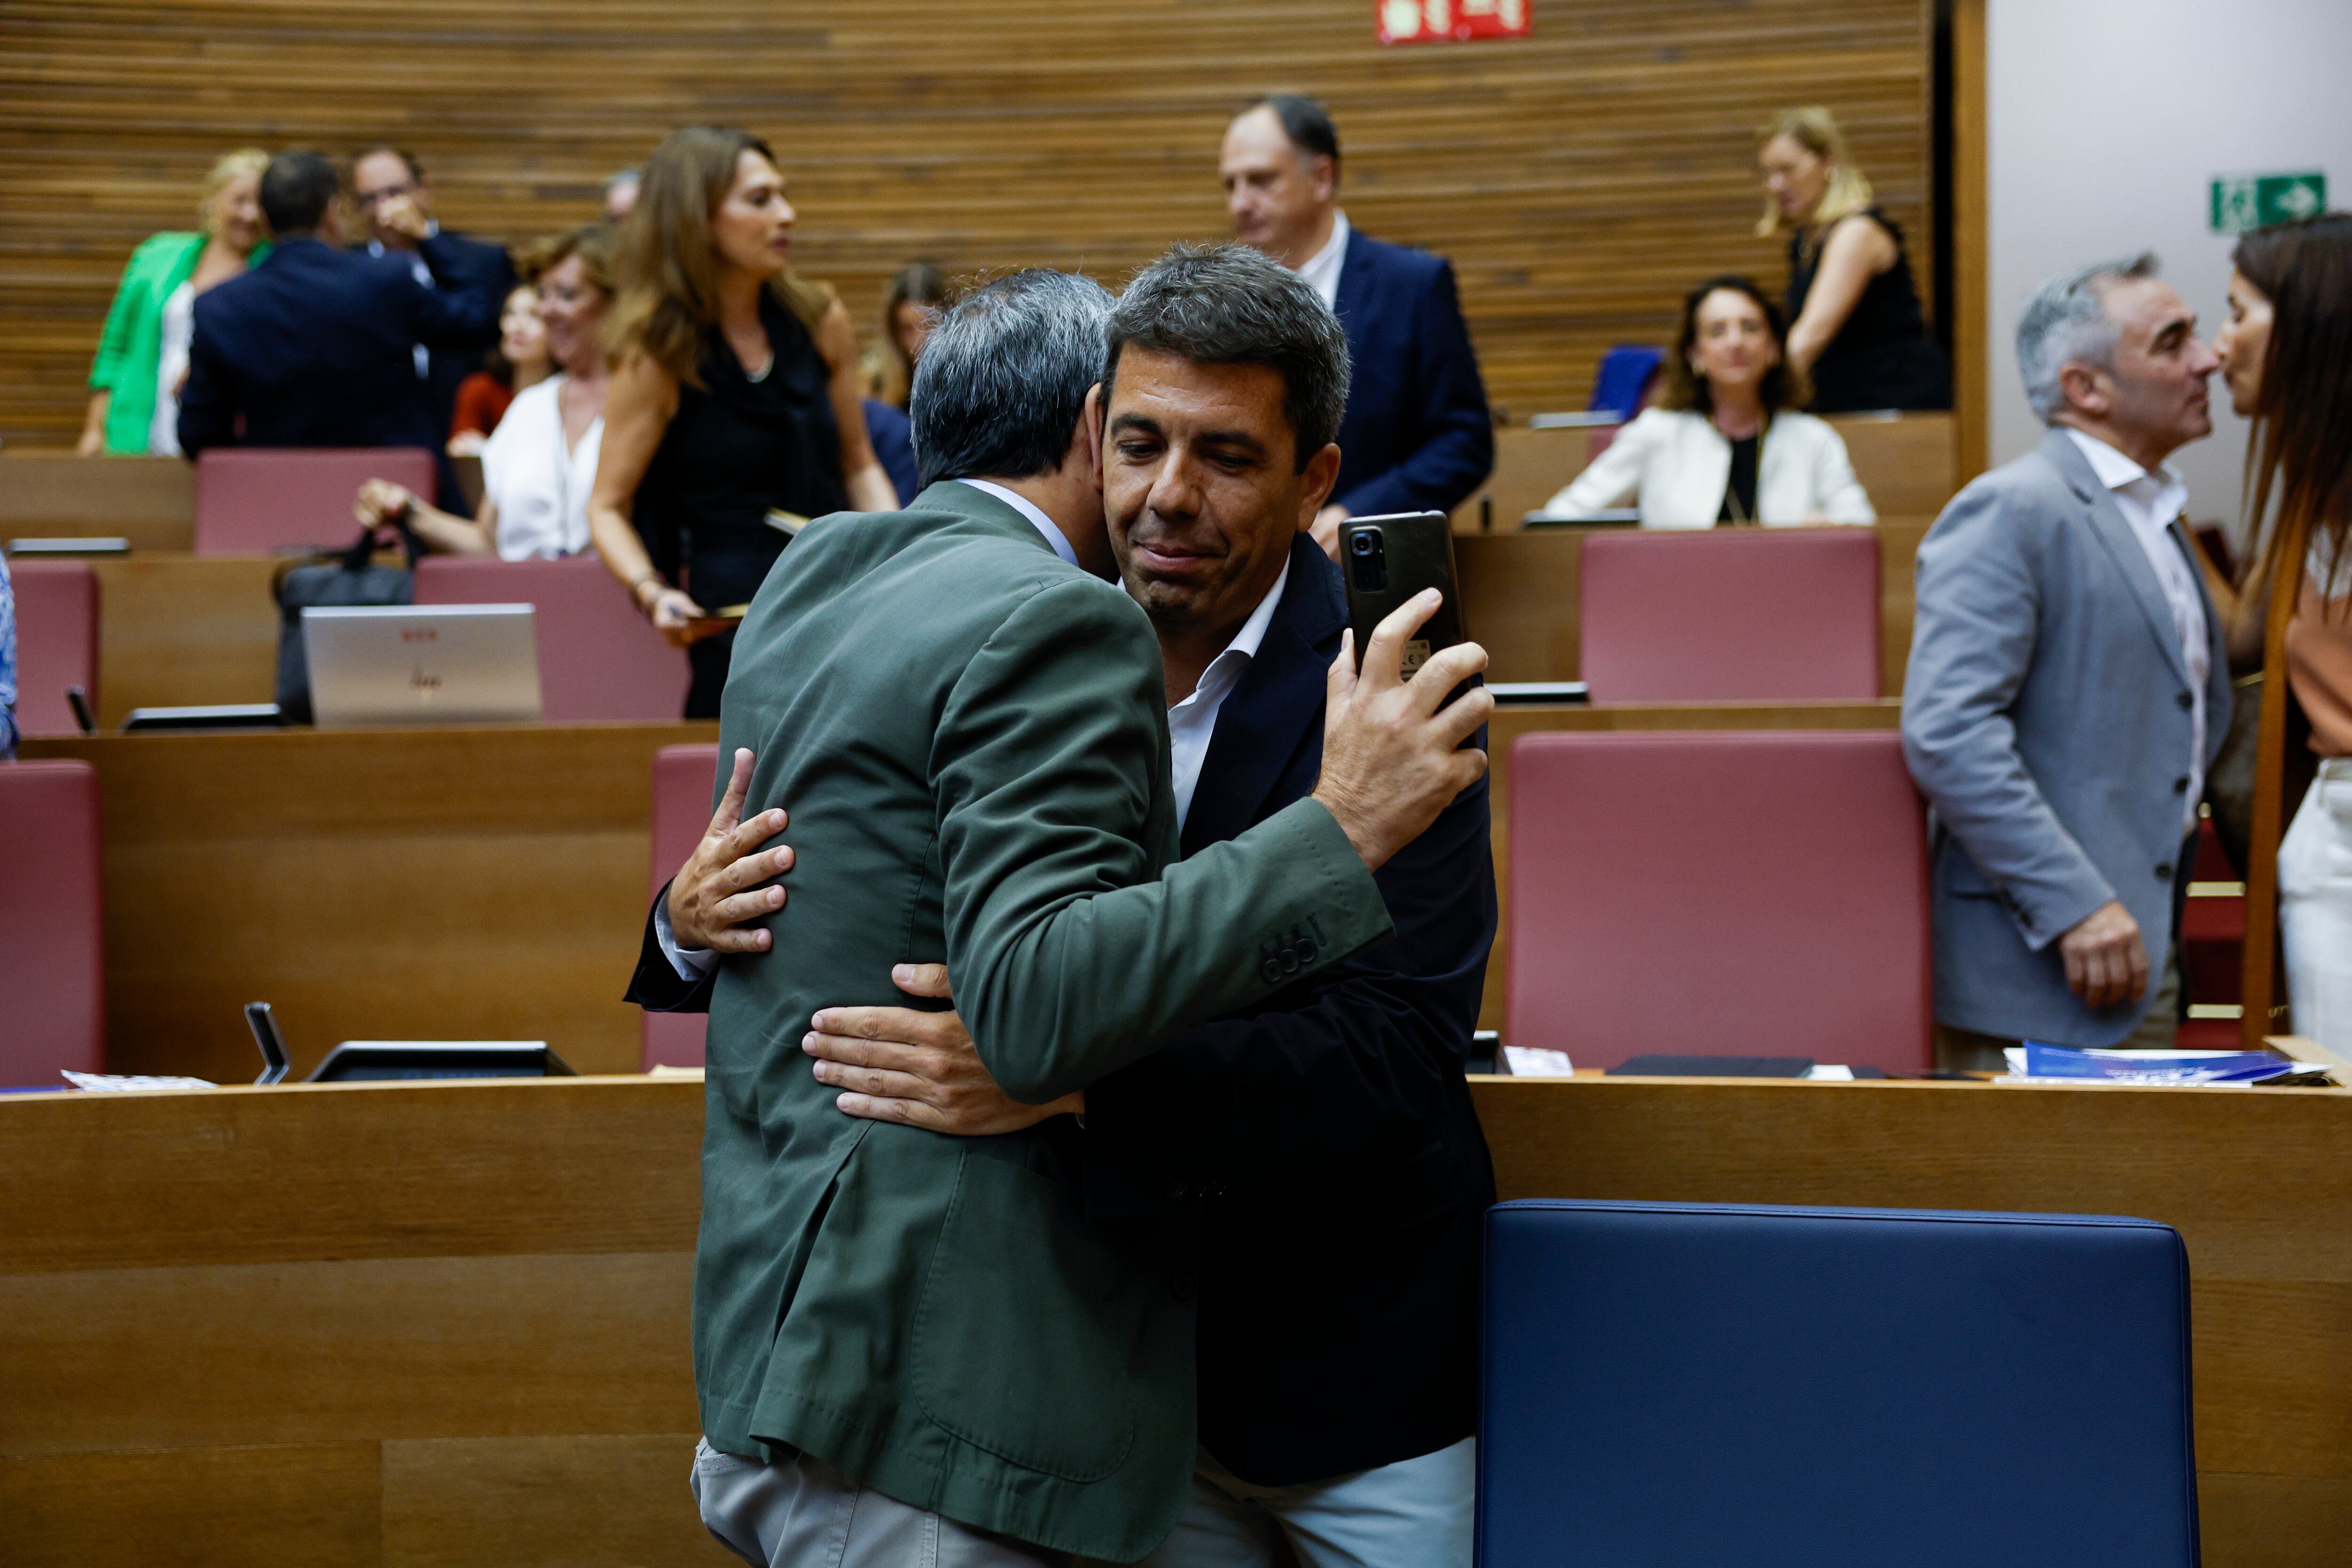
(1003, 378)
(1227, 304)
(2066, 321)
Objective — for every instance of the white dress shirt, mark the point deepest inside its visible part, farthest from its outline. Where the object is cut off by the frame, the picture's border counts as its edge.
(1192, 722)
(691, 964)
(1321, 270)
(2152, 503)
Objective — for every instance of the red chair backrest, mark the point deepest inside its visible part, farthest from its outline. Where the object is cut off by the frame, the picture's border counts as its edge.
(52, 937)
(1718, 894)
(598, 658)
(253, 499)
(1751, 615)
(684, 778)
(57, 642)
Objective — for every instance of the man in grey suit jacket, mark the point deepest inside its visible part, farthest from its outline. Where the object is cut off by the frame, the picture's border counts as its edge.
(2068, 686)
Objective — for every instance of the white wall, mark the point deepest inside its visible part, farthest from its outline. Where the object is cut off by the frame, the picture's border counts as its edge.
(2108, 118)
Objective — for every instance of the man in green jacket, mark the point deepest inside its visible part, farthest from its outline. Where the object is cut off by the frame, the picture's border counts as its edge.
(913, 1347)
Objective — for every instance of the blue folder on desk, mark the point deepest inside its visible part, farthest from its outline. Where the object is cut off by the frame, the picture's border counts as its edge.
(1679, 1385)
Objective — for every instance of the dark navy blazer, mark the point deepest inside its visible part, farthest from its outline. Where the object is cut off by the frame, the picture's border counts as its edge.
(1329, 1136)
(1418, 436)
(315, 348)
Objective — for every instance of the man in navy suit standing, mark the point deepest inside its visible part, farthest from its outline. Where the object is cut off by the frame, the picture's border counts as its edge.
(389, 186)
(1327, 1137)
(316, 347)
(1418, 436)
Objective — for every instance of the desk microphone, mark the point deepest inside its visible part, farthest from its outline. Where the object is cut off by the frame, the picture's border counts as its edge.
(264, 1025)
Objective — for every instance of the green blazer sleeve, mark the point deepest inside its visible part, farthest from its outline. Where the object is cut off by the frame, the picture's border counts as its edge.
(130, 347)
(1070, 957)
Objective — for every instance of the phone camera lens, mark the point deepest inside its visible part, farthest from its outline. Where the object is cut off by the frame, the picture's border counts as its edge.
(1363, 544)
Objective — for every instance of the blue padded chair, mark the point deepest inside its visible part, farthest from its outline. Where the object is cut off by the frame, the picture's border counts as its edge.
(1625, 373)
(1690, 1386)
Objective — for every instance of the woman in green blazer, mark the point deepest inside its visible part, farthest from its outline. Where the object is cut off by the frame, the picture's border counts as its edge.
(143, 354)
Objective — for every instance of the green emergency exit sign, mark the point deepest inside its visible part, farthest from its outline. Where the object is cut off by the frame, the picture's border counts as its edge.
(2242, 202)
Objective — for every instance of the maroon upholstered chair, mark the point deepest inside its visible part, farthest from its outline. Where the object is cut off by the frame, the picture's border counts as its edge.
(598, 658)
(57, 642)
(254, 500)
(52, 943)
(1718, 894)
(683, 777)
(1748, 614)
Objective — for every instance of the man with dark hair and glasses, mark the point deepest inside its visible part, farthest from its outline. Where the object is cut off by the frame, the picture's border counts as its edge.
(1418, 436)
(985, 1343)
(1325, 1135)
(317, 346)
(396, 204)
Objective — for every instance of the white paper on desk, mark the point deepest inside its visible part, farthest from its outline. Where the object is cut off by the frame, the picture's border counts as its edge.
(1830, 1072)
(108, 1083)
(1533, 1061)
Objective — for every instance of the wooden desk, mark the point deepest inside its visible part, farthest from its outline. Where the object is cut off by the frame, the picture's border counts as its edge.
(373, 884)
(151, 501)
(447, 1323)
(176, 629)
(1523, 592)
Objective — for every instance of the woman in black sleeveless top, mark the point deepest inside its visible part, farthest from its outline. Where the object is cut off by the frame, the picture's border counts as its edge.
(1856, 326)
(733, 409)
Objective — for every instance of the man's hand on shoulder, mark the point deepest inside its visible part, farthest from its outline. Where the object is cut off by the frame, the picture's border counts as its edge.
(2106, 962)
(714, 891)
(1392, 758)
(921, 1070)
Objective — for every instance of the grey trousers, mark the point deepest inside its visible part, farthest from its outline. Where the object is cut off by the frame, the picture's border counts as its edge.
(1416, 1513)
(807, 1514)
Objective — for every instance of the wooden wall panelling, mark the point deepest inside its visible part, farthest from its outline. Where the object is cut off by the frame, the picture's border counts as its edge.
(384, 884)
(594, 1183)
(1581, 180)
(1971, 311)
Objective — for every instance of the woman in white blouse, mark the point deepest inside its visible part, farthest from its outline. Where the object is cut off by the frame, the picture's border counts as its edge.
(539, 465)
(1725, 444)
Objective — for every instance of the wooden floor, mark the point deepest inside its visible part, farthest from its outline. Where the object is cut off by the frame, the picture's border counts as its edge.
(446, 1323)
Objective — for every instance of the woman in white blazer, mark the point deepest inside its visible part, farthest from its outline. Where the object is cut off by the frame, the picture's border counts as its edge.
(1725, 444)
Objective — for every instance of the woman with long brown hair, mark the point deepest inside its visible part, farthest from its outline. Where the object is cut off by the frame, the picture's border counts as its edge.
(2286, 355)
(734, 413)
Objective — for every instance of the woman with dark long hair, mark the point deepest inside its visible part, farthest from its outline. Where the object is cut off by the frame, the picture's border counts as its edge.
(732, 414)
(2286, 355)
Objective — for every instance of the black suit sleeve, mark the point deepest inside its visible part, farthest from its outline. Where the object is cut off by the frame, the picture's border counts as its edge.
(208, 403)
(1454, 438)
(1347, 1064)
(657, 986)
(472, 281)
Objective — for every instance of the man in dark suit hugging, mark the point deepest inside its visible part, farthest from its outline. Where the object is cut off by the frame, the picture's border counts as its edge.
(1325, 1133)
(975, 1335)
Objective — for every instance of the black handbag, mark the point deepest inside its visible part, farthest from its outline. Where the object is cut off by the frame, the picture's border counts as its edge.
(351, 577)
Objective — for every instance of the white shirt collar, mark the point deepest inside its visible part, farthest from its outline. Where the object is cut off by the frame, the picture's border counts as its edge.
(1033, 513)
(1321, 270)
(1192, 722)
(2160, 490)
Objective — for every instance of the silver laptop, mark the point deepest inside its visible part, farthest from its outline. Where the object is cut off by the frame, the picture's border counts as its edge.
(441, 664)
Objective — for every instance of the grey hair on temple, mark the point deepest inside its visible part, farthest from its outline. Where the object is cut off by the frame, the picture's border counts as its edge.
(2065, 322)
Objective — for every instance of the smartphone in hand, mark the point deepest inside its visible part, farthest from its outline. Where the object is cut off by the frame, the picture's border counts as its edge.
(1386, 560)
